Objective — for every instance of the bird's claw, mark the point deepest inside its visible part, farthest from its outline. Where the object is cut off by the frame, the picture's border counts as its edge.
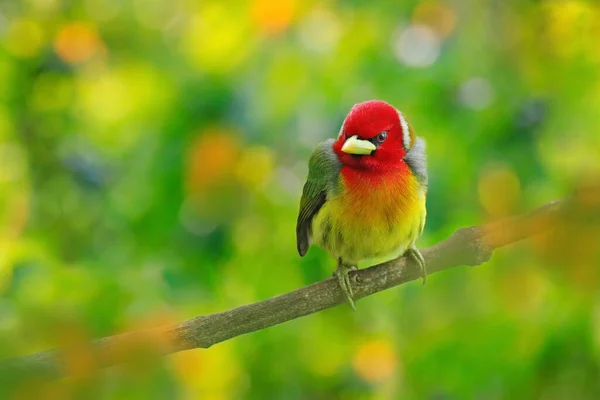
(344, 281)
(418, 257)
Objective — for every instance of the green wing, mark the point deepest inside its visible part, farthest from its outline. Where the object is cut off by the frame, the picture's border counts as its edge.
(322, 180)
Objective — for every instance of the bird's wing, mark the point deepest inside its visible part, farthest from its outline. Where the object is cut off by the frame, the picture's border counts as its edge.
(323, 172)
(417, 161)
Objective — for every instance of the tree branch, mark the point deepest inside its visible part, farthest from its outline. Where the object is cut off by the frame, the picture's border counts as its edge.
(467, 246)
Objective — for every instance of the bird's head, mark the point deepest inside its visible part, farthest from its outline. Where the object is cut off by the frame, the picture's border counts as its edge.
(374, 136)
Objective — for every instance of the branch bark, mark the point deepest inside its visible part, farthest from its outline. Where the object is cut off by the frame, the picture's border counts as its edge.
(467, 246)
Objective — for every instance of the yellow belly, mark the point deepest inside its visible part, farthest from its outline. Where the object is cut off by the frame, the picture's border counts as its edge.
(374, 224)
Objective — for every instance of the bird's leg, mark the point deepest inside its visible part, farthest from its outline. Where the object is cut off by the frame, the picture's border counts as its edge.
(418, 257)
(344, 280)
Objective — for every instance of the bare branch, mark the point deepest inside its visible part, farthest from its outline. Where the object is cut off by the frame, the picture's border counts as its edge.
(467, 246)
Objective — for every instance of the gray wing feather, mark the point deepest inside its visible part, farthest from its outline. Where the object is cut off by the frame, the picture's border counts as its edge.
(417, 161)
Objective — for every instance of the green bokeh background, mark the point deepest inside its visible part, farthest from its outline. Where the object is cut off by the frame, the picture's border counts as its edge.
(152, 155)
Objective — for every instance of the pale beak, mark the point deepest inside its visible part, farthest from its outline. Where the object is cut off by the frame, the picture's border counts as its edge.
(353, 145)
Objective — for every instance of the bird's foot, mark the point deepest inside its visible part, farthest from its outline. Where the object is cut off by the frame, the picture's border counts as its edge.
(344, 281)
(418, 257)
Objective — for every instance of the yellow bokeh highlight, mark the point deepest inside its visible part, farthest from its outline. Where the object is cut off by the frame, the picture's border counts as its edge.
(45, 7)
(572, 26)
(77, 42)
(255, 166)
(188, 366)
(499, 190)
(14, 162)
(375, 361)
(25, 38)
(105, 96)
(208, 374)
(126, 94)
(571, 156)
(273, 16)
(215, 40)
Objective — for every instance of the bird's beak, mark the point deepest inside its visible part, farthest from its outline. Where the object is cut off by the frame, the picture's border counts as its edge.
(353, 145)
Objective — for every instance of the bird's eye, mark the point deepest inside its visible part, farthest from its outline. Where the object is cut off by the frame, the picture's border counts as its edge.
(381, 137)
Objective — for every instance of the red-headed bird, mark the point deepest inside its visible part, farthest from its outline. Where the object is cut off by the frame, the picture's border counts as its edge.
(365, 192)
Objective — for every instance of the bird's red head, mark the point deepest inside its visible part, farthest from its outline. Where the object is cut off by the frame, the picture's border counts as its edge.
(374, 136)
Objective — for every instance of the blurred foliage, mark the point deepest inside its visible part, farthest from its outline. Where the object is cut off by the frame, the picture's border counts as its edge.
(152, 155)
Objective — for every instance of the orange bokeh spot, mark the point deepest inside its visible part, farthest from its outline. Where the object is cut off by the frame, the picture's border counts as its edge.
(273, 16)
(77, 354)
(375, 361)
(437, 15)
(189, 365)
(77, 42)
(211, 160)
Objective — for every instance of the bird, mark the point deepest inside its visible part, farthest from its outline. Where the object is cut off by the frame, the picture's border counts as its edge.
(365, 193)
